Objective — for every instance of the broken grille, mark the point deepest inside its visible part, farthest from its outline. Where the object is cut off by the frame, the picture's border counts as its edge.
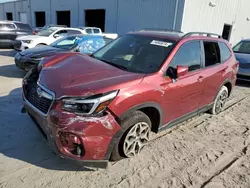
(40, 102)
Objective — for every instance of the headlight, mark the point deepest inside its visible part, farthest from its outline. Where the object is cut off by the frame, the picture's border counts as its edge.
(38, 58)
(93, 105)
(27, 41)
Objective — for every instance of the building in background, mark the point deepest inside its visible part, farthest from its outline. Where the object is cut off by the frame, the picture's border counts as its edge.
(230, 18)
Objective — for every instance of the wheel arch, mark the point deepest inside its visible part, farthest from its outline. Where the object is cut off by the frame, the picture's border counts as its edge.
(152, 109)
(229, 86)
(42, 44)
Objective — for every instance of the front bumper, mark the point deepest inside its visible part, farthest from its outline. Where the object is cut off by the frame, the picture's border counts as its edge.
(97, 135)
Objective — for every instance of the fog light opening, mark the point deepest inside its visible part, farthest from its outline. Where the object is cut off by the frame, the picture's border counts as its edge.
(71, 143)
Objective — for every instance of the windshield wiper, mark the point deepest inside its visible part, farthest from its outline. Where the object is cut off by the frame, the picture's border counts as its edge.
(113, 64)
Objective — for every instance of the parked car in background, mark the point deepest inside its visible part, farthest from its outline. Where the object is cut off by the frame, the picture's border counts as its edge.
(38, 29)
(86, 44)
(103, 107)
(98, 31)
(10, 30)
(44, 37)
(242, 54)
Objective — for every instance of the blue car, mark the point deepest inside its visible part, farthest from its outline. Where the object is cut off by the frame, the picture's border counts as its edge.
(242, 54)
(86, 44)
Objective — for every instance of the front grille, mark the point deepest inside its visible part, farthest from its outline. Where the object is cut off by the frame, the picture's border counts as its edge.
(41, 103)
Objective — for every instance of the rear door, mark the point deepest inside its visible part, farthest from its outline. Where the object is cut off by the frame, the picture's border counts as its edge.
(213, 72)
(183, 96)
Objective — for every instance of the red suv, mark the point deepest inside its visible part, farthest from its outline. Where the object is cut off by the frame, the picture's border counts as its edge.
(103, 107)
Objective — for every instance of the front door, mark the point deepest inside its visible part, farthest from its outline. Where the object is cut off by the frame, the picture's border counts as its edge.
(183, 94)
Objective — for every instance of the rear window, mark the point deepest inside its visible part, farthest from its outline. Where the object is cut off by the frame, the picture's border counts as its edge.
(7, 26)
(224, 52)
(23, 26)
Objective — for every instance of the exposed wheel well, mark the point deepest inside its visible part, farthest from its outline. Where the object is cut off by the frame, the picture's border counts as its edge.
(153, 115)
(229, 87)
(42, 44)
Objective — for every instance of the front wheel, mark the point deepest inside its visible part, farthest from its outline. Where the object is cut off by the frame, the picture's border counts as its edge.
(136, 131)
(220, 101)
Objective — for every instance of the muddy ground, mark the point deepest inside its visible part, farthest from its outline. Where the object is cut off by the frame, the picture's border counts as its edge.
(207, 151)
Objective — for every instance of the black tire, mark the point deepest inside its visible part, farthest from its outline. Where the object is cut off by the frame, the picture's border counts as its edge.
(126, 125)
(223, 92)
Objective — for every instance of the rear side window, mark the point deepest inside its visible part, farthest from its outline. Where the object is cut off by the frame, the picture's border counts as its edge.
(23, 26)
(96, 31)
(212, 53)
(224, 52)
(62, 33)
(189, 55)
(89, 31)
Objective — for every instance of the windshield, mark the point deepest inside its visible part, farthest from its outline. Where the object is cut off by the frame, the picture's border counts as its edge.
(46, 32)
(67, 43)
(242, 47)
(133, 53)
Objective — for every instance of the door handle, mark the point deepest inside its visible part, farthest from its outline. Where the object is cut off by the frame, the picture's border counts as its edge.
(200, 78)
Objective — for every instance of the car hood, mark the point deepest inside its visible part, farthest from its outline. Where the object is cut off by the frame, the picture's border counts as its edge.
(30, 37)
(244, 60)
(75, 74)
(40, 51)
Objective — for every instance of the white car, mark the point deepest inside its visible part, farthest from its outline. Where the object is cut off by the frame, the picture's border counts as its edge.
(98, 31)
(44, 37)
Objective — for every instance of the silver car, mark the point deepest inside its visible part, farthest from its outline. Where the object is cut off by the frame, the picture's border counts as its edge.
(242, 54)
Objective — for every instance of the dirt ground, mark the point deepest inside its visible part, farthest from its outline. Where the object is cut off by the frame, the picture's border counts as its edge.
(206, 151)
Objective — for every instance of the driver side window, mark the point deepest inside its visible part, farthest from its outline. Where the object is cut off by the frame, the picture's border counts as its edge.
(188, 55)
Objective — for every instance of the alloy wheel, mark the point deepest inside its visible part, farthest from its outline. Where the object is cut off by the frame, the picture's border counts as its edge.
(220, 104)
(136, 139)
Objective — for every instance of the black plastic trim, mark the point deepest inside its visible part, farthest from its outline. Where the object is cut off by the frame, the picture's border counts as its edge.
(185, 117)
(145, 105)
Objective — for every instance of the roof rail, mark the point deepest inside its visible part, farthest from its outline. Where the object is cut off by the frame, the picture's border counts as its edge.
(201, 33)
(158, 29)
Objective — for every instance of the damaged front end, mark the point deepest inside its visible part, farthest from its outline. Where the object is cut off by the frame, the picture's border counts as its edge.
(81, 129)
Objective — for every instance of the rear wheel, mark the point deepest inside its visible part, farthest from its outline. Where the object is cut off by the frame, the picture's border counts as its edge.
(136, 130)
(220, 101)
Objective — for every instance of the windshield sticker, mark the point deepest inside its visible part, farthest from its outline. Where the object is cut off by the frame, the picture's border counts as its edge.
(128, 57)
(161, 43)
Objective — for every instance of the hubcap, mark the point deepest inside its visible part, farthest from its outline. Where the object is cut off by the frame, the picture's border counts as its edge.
(136, 139)
(221, 102)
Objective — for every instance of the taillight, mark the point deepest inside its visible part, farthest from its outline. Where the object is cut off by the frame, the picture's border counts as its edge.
(33, 32)
(236, 67)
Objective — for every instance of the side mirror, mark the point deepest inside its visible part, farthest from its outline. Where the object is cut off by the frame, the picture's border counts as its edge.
(181, 71)
(56, 36)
